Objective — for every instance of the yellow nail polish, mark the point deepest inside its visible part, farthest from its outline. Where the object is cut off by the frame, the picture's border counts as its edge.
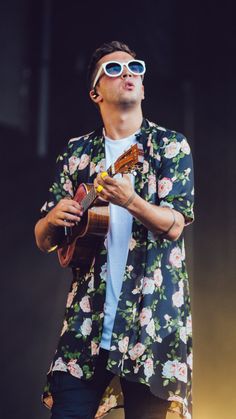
(104, 174)
(99, 188)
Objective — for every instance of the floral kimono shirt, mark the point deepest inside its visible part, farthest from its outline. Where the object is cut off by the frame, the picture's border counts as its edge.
(151, 339)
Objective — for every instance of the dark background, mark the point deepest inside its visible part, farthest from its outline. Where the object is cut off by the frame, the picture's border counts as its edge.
(190, 86)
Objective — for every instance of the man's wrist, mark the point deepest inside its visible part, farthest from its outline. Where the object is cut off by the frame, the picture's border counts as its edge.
(129, 200)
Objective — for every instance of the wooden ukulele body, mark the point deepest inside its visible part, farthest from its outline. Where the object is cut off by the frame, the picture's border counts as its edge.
(78, 247)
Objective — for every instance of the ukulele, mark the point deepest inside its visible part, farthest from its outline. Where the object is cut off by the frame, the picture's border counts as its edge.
(79, 244)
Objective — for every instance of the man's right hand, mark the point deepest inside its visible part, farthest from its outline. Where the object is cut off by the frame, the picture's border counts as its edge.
(65, 214)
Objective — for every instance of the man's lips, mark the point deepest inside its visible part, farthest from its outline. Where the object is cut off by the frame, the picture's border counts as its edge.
(129, 85)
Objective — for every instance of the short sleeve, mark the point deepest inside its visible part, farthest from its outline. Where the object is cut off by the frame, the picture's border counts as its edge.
(62, 184)
(175, 180)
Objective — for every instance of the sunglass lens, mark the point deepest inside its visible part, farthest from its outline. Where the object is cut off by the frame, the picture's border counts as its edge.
(136, 67)
(113, 69)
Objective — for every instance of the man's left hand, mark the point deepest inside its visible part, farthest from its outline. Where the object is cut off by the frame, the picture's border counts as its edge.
(115, 190)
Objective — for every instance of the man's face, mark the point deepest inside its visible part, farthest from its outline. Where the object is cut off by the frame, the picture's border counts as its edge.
(124, 90)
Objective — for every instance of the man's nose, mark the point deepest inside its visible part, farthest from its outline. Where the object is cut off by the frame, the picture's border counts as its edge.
(126, 72)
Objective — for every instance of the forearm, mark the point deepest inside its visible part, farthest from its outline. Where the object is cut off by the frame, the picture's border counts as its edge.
(157, 219)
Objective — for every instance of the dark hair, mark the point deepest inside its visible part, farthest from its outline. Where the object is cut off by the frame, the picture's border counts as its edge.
(104, 49)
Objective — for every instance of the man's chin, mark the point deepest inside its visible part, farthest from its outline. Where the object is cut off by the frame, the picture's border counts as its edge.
(128, 102)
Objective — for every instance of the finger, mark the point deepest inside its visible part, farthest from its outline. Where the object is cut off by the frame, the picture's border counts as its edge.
(98, 181)
(68, 217)
(76, 204)
(109, 180)
(66, 201)
(75, 210)
(95, 184)
(103, 175)
(69, 207)
(99, 188)
(64, 223)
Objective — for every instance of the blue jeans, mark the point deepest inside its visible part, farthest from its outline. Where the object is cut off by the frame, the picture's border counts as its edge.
(78, 399)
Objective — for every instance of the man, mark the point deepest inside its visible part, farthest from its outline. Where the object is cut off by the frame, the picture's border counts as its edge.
(128, 316)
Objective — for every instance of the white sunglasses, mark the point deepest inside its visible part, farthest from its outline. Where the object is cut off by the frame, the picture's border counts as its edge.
(115, 69)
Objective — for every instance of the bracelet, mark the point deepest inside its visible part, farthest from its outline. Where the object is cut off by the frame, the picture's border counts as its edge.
(52, 249)
(128, 202)
(172, 224)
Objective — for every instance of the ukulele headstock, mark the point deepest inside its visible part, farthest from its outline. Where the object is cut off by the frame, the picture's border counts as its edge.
(129, 161)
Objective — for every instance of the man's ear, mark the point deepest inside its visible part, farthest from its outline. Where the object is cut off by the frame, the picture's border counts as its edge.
(94, 95)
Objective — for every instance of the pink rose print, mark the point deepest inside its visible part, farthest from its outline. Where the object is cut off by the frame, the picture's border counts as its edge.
(178, 298)
(85, 304)
(158, 278)
(145, 167)
(164, 187)
(73, 164)
(68, 187)
(150, 145)
(189, 325)
(148, 368)
(185, 147)
(94, 348)
(145, 316)
(176, 257)
(150, 329)
(86, 327)
(44, 207)
(59, 365)
(137, 351)
(172, 150)
(190, 361)
(175, 398)
(71, 294)
(132, 243)
(84, 161)
(136, 368)
(112, 402)
(182, 334)
(108, 404)
(103, 274)
(89, 278)
(148, 286)
(169, 369)
(152, 184)
(74, 368)
(102, 410)
(175, 369)
(101, 166)
(181, 372)
(64, 328)
(92, 168)
(123, 345)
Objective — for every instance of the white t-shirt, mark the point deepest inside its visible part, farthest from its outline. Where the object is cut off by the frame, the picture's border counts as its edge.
(118, 238)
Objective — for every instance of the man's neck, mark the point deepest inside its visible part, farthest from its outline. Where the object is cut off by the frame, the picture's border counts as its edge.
(119, 125)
